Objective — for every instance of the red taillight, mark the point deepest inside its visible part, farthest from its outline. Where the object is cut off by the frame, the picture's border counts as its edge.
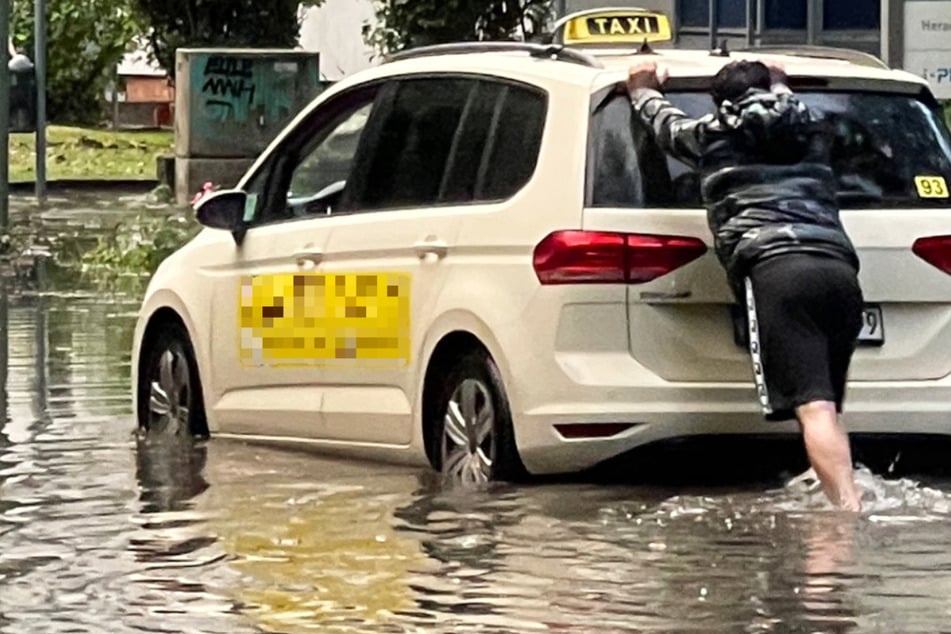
(597, 257)
(935, 250)
(650, 257)
(577, 257)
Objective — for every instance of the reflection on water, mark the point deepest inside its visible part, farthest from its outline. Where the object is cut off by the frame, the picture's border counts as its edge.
(102, 530)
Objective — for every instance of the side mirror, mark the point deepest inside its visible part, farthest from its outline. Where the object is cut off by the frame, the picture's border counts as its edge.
(222, 210)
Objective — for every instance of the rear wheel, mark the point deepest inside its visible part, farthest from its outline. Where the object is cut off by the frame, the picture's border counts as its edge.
(169, 390)
(476, 442)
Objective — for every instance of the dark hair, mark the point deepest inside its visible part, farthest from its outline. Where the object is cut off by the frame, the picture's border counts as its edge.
(736, 78)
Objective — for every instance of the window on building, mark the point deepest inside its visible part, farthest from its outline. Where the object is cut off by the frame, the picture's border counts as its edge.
(696, 13)
(851, 14)
(785, 14)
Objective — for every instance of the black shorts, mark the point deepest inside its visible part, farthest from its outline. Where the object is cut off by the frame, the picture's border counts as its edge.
(805, 314)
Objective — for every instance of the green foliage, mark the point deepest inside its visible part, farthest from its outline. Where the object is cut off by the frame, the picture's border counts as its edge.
(403, 24)
(117, 258)
(176, 24)
(85, 41)
(86, 153)
(139, 246)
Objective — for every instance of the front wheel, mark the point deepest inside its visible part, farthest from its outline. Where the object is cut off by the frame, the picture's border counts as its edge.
(169, 390)
(474, 425)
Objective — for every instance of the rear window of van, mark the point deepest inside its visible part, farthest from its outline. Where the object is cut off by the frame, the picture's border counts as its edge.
(890, 150)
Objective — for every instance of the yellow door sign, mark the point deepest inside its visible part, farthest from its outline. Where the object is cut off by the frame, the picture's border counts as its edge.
(295, 319)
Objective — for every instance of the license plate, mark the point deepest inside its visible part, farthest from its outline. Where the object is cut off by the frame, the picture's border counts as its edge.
(873, 327)
(872, 333)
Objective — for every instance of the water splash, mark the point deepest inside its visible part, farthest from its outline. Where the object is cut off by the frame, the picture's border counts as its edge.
(883, 500)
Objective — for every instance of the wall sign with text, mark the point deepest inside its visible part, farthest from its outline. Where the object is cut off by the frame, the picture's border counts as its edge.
(928, 43)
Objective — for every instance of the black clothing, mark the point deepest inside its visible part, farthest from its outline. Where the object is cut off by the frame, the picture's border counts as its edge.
(805, 315)
(771, 204)
(766, 179)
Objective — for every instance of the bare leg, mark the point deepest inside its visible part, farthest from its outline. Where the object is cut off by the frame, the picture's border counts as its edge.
(827, 446)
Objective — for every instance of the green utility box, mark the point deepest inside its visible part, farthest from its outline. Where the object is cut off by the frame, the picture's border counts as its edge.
(231, 103)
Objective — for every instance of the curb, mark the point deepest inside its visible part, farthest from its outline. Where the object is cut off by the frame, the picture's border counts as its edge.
(91, 185)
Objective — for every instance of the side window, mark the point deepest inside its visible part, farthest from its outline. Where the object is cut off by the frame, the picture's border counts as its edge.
(462, 172)
(256, 185)
(325, 165)
(452, 140)
(308, 173)
(414, 143)
(513, 148)
(615, 167)
(626, 168)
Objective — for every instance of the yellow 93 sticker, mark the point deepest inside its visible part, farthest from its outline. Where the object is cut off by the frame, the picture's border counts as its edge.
(931, 187)
(316, 319)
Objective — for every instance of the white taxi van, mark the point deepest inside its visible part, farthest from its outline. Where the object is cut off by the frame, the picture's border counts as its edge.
(473, 256)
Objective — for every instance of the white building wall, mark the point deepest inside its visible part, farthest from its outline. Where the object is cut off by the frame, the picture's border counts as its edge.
(335, 30)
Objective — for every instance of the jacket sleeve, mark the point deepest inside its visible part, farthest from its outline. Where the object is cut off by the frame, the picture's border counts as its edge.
(676, 133)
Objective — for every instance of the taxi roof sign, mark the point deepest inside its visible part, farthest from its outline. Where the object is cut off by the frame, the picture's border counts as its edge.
(614, 26)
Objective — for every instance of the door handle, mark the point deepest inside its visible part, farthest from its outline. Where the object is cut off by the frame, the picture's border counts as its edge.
(431, 246)
(311, 255)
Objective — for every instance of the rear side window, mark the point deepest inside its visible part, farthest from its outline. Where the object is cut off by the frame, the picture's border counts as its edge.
(453, 140)
(414, 142)
(462, 172)
(514, 143)
(885, 144)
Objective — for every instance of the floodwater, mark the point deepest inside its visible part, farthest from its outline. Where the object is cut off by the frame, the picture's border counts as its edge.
(103, 532)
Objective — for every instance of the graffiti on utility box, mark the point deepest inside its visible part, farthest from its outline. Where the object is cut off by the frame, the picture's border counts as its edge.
(228, 87)
(238, 100)
(259, 91)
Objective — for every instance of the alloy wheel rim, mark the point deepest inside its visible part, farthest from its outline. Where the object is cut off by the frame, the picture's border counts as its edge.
(468, 442)
(169, 394)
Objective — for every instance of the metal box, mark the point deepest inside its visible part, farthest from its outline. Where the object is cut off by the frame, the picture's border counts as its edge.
(230, 103)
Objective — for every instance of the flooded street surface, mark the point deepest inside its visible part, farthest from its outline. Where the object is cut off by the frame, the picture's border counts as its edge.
(101, 532)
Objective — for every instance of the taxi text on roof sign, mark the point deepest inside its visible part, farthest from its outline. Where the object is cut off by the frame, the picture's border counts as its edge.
(613, 26)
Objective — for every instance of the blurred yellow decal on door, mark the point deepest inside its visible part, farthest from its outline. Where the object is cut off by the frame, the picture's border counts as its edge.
(318, 319)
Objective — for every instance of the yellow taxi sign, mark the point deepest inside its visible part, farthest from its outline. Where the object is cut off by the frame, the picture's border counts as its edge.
(630, 27)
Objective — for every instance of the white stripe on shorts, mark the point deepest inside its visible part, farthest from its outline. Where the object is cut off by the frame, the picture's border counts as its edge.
(759, 375)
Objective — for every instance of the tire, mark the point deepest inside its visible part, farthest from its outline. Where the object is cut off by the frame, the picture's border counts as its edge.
(474, 441)
(169, 388)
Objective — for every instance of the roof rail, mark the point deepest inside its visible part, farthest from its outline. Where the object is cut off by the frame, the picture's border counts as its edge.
(825, 52)
(585, 12)
(550, 51)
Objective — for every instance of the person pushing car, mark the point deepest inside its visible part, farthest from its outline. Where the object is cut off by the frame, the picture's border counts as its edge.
(770, 194)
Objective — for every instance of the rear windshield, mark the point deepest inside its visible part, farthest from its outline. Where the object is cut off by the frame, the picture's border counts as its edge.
(890, 150)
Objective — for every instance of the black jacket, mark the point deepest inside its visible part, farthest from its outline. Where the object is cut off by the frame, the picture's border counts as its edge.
(765, 175)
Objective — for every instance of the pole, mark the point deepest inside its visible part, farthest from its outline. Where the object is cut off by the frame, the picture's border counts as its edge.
(39, 59)
(4, 114)
(4, 352)
(813, 15)
(751, 16)
(714, 11)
